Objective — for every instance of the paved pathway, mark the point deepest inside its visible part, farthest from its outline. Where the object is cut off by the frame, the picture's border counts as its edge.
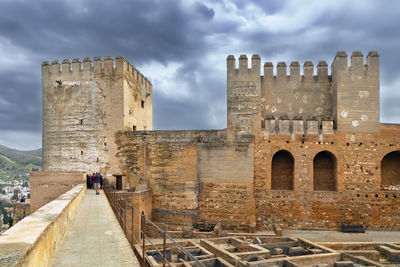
(95, 237)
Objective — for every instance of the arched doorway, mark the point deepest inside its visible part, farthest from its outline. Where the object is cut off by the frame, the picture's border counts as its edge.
(282, 171)
(325, 173)
(390, 166)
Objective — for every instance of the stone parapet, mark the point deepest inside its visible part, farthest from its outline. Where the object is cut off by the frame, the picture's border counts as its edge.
(33, 240)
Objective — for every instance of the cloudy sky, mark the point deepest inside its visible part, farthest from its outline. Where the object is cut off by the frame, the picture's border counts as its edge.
(182, 46)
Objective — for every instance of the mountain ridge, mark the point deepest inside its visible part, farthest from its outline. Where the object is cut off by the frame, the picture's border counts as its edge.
(16, 164)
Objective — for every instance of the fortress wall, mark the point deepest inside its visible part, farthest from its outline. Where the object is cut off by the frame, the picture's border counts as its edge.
(200, 177)
(47, 186)
(196, 176)
(295, 95)
(358, 197)
(34, 240)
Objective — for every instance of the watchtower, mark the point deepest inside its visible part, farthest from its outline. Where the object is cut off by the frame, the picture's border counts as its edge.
(84, 104)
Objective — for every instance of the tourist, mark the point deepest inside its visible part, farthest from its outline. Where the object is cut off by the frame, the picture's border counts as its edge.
(101, 181)
(88, 181)
(23, 199)
(91, 179)
(96, 183)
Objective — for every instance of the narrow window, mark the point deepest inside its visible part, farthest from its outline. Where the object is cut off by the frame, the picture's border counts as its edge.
(134, 127)
(81, 152)
(81, 121)
(142, 104)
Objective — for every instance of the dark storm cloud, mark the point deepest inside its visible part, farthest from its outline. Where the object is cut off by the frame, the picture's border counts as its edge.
(182, 46)
(144, 30)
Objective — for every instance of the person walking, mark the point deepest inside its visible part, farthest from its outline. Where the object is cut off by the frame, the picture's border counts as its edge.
(101, 181)
(96, 183)
(88, 182)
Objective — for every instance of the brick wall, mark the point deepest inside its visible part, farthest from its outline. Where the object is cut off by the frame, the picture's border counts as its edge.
(195, 176)
(201, 177)
(357, 172)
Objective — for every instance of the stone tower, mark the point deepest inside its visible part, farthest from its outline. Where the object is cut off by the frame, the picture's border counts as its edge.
(83, 107)
(308, 104)
(244, 97)
(356, 92)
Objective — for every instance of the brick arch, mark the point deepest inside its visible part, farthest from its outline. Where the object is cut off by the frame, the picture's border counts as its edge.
(390, 169)
(325, 171)
(282, 171)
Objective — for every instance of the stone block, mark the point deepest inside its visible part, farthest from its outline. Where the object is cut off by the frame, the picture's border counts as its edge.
(278, 251)
(284, 127)
(315, 251)
(327, 128)
(298, 127)
(217, 230)
(277, 229)
(296, 251)
(312, 127)
(270, 126)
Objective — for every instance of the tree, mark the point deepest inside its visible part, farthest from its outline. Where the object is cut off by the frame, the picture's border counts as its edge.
(10, 221)
(15, 195)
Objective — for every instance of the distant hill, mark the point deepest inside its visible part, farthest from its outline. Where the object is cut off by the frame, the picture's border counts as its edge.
(17, 163)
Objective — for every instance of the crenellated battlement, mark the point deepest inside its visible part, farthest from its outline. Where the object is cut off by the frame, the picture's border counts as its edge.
(357, 65)
(88, 69)
(349, 94)
(308, 70)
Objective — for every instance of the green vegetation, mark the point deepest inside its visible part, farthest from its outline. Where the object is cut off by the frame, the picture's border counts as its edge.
(15, 164)
(4, 204)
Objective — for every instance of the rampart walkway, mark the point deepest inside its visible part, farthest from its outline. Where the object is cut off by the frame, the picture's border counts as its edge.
(95, 237)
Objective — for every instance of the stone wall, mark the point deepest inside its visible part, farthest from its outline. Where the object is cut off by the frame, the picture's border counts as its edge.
(194, 175)
(47, 186)
(356, 196)
(201, 177)
(34, 239)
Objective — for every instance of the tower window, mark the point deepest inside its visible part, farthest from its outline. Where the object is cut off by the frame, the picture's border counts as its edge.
(142, 104)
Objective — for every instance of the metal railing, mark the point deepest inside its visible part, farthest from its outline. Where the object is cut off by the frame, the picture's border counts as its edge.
(136, 228)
